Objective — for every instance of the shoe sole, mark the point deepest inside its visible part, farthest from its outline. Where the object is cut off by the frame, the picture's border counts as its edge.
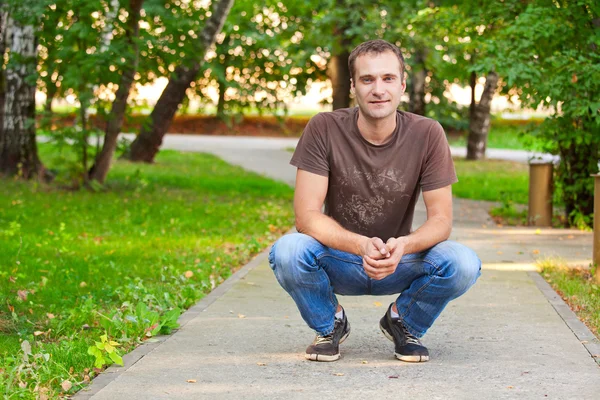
(326, 358)
(402, 357)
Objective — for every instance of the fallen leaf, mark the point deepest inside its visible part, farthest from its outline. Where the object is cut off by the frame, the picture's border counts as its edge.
(22, 294)
(82, 284)
(510, 387)
(499, 252)
(536, 251)
(191, 381)
(377, 304)
(66, 385)
(188, 274)
(538, 231)
(338, 374)
(38, 333)
(241, 316)
(570, 237)
(574, 78)
(261, 364)
(50, 316)
(22, 385)
(393, 376)
(364, 362)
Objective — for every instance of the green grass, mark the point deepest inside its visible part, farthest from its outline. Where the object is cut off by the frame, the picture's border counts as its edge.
(76, 264)
(499, 137)
(577, 287)
(492, 180)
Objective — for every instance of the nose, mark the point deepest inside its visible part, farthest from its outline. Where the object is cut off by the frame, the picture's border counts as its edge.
(378, 87)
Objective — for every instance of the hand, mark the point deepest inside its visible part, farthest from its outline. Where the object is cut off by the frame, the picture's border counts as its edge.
(375, 248)
(381, 267)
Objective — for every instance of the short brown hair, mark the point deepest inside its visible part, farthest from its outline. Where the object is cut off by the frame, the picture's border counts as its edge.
(376, 46)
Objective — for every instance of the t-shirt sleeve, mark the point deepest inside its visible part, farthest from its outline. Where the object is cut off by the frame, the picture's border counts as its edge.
(438, 169)
(311, 154)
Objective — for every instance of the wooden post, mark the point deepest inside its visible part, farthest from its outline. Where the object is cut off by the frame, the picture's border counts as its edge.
(540, 194)
(596, 258)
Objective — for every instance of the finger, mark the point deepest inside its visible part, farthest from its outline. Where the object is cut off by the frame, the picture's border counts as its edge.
(381, 264)
(379, 245)
(375, 273)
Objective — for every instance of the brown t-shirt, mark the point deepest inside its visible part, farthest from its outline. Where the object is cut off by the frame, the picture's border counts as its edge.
(373, 188)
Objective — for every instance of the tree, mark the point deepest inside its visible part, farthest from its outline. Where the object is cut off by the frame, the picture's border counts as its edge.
(260, 57)
(18, 149)
(551, 54)
(146, 145)
(101, 166)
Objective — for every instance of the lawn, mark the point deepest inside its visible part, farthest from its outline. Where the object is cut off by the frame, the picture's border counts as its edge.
(75, 265)
(578, 289)
(492, 180)
(501, 136)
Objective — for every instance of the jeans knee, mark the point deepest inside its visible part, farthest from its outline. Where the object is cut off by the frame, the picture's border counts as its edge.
(291, 254)
(462, 268)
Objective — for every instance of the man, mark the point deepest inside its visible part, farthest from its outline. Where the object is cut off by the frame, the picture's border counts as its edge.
(368, 165)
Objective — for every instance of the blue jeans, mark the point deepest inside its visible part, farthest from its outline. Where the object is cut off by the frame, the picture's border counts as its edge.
(313, 273)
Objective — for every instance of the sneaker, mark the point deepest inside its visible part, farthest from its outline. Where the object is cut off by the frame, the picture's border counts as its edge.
(327, 348)
(408, 346)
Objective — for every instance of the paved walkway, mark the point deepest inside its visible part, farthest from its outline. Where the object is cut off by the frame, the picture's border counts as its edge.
(509, 337)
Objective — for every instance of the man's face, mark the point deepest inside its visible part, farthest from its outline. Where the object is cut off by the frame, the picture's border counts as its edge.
(378, 84)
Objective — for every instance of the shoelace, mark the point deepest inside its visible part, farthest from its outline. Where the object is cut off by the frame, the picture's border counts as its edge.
(410, 338)
(324, 339)
(328, 338)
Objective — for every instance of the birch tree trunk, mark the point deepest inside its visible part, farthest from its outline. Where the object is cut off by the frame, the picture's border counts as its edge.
(479, 124)
(100, 169)
(148, 142)
(18, 150)
(3, 38)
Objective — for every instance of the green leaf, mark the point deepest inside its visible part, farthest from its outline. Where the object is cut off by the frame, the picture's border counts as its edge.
(116, 358)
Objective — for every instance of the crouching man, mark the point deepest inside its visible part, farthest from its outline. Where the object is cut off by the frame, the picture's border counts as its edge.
(368, 165)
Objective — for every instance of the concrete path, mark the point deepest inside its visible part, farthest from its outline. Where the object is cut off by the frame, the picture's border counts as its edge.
(509, 337)
(218, 144)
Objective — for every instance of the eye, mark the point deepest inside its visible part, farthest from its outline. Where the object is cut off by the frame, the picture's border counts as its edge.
(367, 80)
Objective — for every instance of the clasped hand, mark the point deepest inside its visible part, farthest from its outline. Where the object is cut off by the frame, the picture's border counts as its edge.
(381, 259)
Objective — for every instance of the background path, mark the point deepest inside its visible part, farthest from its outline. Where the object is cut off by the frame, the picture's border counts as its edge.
(509, 337)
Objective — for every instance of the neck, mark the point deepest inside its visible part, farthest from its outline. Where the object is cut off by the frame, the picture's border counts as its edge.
(376, 131)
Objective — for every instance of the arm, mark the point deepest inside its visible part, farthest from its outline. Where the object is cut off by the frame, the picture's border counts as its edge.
(436, 229)
(309, 196)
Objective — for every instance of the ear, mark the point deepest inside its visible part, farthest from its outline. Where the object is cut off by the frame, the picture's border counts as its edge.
(351, 86)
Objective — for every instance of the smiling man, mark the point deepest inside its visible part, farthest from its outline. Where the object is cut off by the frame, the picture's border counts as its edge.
(368, 165)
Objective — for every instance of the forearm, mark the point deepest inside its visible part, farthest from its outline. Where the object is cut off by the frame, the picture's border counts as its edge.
(329, 232)
(435, 230)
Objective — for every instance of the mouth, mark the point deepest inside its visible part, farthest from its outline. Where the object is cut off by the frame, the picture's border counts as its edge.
(379, 102)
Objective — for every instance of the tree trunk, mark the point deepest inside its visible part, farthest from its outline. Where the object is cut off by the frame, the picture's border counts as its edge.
(338, 72)
(417, 84)
(472, 85)
(146, 145)
(3, 38)
(337, 66)
(18, 150)
(50, 94)
(101, 166)
(479, 124)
